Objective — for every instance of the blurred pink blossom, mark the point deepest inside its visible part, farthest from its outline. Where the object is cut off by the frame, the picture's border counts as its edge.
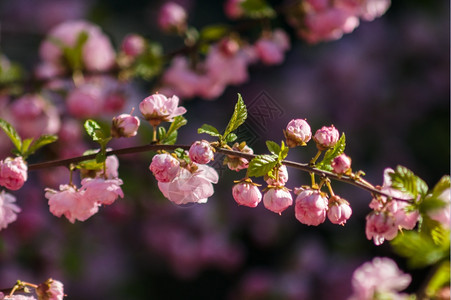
(8, 210)
(233, 9)
(133, 45)
(50, 290)
(86, 101)
(271, 49)
(172, 17)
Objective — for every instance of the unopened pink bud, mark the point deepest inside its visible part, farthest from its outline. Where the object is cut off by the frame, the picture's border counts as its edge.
(339, 210)
(13, 173)
(298, 133)
(164, 167)
(50, 290)
(341, 164)
(236, 163)
(246, 194)
(125, 125)
(277, 199)
(282, 177)
(133, 45)
(172, 17)
(311, 207)
(201, 152)
(326, 137)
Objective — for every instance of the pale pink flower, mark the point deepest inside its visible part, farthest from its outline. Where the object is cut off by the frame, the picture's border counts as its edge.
(70, 131)
(19, 297)
(341, 164)
(13, 173)
(50, 290)
(380, 276)
(85, 101)
(442, 214)
(190, 187)
(311, 207)
(247, 194)
(8, 210)
(33, 116)
(172, 17)
(236, 163)
(133, 45)
(277, 199)
(282, 177)
(297, 133)
(339, 210)
(48, 70)
(233, 9)
(404, 218)
(71, 203)
(158, 108)
(102, 191)
(372, 9)
(125, 125)
(271, 49)
(181, 78)
(201, 152)
(164, 167)
(326, 137)
(380, 226)
(98, 54)
(111, 165)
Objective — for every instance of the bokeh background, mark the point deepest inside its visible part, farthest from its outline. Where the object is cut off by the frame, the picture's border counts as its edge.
(386, 85)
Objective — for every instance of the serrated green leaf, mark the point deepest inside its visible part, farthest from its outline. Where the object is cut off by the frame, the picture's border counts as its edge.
(94, 130)
(178, 122)
(12, 134)
(41, 142)
(261, 165)
(407, 182)
(238, 117)
(214, 32)
(208, 129)
(170, 139)
(330, 154)
(273, 147)
(231, 137)
(440, 279)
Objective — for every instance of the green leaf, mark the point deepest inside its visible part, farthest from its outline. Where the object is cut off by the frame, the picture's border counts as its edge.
(90, 164)
(94, 130)
(12, 134)
(257, 9)
(150, 63)
(407, 182)
(238, 117)
(170, 139)
(101, 157)
(214, 32)
(73, 55)
(273, 147)
(41, 142)
(231, 137)
(25, 145)
(283, 151)
(161, 133)
(261, 165)
(208, 129)
(440, 279)
(178, 122)
(441, 186)
(330, 154)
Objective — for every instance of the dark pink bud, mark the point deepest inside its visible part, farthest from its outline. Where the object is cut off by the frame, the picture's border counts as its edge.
(326, 137)
(298, 133)
(172, 17)
(201, 152)
(339, 210)
(341, 164)
(133, 45)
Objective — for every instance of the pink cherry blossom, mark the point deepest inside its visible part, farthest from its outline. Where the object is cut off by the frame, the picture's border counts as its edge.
(297, 133)
(201, 152)
(50, 290)
(13, 173)
(339, 210)
(341, 164)
(190, 187)
(236, 163)
(380, 226)
(172, 17)
(71, 202)
(8, 210)
(233, 9)
(102, 191)
(371, 9)
(311, 207)
(326, 137)
(282, 177)
(158, 108)
(19, 297)
(277, 199)
(133, 45)
(85, 101)
(181, 78)
(125, 125)
(380, 276)
(164, 167)
(442, 214)
(270, 49)
(247, 194)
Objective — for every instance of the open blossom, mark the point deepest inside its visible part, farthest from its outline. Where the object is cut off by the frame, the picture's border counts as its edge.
(190, 186)
(326, 137)
(71, 202)
(277, 199)
(50, 290)
(442, 214)
(271, 49)
(297, 133)
(339, 210)
(282, 177)
(8, 210)
(158, 108)
(247, 194)
(13, 173)
(201, 152)
(380, 226)
(381, 276)
(125, 125)
(236, 163)
(311, 207)
(164, 167)
(102, 191)
(341, 164)
(172, 17)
